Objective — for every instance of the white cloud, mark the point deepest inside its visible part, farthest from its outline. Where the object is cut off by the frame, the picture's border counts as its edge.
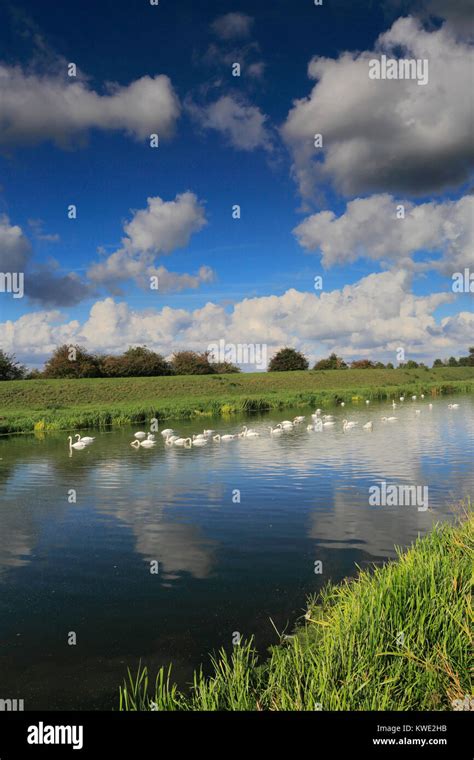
(160, 228)
(371, 317)
(386, 135)
(233, 26)
(243, 126)
(15, 248)
(369, 228)
(38, 107)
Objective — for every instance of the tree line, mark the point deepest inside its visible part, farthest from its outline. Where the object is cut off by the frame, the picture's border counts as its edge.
(69, 362)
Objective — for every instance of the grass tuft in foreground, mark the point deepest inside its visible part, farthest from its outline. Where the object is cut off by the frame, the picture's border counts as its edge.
(396, 638)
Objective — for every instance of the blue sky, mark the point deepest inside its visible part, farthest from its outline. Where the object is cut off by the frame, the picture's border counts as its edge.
(228, 140)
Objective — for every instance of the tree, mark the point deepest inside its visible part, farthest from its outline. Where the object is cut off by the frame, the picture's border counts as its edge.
(389, 365)
(192, 363)
(225, 368)
(288, 360)
(467, 361)
(438, 363)
(452, 362)
(332, 362)
(72, 362)
(411, 364)
(139, 361)
(10, 369)
(362, 364)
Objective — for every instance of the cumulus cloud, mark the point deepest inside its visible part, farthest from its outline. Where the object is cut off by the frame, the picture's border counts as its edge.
(382, 135)
(377, 314)
(243, 126)
(160, 228)
(41, 284)
(232, 26)
(369, 228)
(38, 107)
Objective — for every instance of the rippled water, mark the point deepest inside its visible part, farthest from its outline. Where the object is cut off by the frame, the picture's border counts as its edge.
(224, 566)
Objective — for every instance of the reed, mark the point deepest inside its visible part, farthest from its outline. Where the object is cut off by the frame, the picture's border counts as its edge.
(398, 637)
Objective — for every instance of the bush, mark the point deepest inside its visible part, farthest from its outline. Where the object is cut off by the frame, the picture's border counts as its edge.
(192, 363)
(225, 368)
(136, 362)
(288, 360)
(332, 362)
(72, 362)
(10, 369)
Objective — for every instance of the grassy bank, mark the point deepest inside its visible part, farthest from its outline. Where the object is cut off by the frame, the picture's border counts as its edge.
(396, 638)
(79, 404)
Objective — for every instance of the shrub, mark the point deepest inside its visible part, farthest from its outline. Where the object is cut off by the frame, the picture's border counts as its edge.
(288, 360)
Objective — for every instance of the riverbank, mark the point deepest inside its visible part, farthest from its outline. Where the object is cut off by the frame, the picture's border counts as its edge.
(29, 405)
(396, 638)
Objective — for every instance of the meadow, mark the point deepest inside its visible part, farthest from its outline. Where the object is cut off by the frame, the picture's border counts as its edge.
(40, 405)
(395, 638)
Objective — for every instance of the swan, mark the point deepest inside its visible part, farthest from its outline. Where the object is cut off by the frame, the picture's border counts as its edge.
(199, 437)
(79, 445)
(413, 398)
(394, 406)
(277, 430)
(183, 442)
(309, 428)
(389, 419)
(328, 417)
(209, 432)
(142, 444)
(367, 402)
(368, 426)
(318, 412)
(166, 433)
(297, 420)
(343, 403)
(86, 439)
(200, 442)
(140, 436)
(219, 438)
(328, 423)
(402, 398)
(453, 406)
(150, 437)
(249, 433)
(422, 395)
(430, 406)
(417, 411)
(287, 425)
(171, 439)
(346, 425)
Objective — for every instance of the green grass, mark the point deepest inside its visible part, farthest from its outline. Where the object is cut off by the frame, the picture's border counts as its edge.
(348, 655)
(76, 404)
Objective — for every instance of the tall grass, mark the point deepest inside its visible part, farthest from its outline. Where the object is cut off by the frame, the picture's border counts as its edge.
(99, 403)
(396, 638)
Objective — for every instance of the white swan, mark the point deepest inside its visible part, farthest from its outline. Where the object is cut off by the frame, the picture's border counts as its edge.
(346, 425)
(389, 419)
(278, 430)
(368, 426)
(209, 432)
(413, 398)
(417, 411)
(394, 406)
(226, 437)
(287, 425)
(318, 411)
(171, 439)
(200, 442)
(150, 437)
(297, 420)
(183, 442)
(309, 428)
(402, 398)
(422, 395)
(166, 433)
(140, 436)
(367, 402)
(199, 437)
(86, 439)
(343, 403)
(328, 423)
(249, 433)
(328, 417)
(453, 406)
(143, 444)
(79, 446)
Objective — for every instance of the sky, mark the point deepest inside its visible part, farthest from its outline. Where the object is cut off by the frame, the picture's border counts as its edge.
(349, 245)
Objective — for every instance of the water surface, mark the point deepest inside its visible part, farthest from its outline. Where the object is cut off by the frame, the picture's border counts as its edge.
(225, 565)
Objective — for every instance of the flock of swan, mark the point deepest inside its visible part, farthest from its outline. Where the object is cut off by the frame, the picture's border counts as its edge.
(319, 422)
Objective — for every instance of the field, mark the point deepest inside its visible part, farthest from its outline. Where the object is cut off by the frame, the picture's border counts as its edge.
(27, 405)
(397, 638)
